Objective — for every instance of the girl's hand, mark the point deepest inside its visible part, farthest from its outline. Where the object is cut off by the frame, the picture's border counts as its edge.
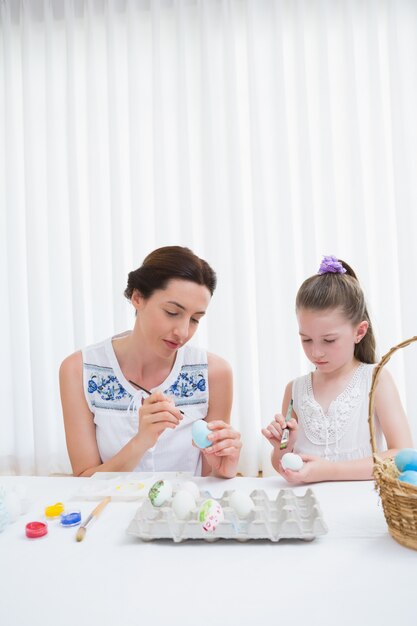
(273, 432)
(314, 470)
(157, 413)
(223, 454)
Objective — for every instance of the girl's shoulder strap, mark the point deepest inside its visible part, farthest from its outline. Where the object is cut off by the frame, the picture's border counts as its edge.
(300, 388)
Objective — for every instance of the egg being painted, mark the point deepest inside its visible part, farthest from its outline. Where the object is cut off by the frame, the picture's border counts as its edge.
(160, 492)
(406, 459)
(409, 476)
(241, 503)
(210, 515)
(292, 461)
(200, 430)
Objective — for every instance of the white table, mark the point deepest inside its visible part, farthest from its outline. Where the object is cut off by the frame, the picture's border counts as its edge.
(356, 574)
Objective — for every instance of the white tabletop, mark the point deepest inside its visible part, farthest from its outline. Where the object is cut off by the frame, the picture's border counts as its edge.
(355, 574)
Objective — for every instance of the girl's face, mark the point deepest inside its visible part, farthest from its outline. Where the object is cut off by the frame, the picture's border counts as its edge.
(328, 338)
(170, 316)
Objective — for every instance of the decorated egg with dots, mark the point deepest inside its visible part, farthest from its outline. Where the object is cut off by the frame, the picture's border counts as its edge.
(160, 492)
(210, 515)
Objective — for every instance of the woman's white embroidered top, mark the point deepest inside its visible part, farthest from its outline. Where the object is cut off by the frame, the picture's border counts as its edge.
(342, 433)
(115, 404)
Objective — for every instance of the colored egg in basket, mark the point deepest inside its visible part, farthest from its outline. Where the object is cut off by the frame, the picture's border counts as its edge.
(406, 459)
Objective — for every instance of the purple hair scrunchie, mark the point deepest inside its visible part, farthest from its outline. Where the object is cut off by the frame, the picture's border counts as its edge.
(330, 265)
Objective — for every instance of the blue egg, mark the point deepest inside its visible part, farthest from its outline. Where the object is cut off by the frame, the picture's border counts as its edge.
(200, 430)
(408, 477)
(406, 459)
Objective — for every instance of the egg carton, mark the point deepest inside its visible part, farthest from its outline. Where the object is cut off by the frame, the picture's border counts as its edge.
(287, 517)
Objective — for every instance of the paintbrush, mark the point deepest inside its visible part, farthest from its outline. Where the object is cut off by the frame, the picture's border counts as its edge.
(146, 391)
(286, 433)
(94, 514)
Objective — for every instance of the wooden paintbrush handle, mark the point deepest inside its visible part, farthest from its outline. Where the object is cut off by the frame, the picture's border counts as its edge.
(100, 507)
(94, 513)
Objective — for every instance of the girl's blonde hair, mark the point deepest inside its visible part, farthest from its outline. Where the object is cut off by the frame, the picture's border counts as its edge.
(340, 291)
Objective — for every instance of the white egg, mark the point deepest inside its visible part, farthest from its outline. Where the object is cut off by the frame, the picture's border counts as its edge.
(241, 503)
(160, 492)
(188, 485)
(182, 504)
(292, 461)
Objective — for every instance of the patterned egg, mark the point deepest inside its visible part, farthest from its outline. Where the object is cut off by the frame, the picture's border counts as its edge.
(409, 476)
(210, 515)
(406, 459)
(160, 492)
(241, 503)
(182, 504)
(292, 461)
(200, 430)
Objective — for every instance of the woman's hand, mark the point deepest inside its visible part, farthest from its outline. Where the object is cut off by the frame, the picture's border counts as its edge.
(314, 470)
(223, 455)
(273, 432)
(157, 413)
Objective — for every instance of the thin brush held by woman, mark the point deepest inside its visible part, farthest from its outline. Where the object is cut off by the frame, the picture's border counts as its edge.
(146, 390)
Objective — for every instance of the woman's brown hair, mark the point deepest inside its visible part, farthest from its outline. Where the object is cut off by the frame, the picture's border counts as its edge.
(164, 264)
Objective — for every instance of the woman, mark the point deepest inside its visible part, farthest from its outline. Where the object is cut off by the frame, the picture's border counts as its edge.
(110, 424)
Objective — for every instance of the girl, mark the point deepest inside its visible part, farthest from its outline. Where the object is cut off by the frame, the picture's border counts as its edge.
(113, 426)
(329, 422)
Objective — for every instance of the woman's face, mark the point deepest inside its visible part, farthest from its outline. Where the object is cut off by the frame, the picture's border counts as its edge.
(328, 338)
(170, 316)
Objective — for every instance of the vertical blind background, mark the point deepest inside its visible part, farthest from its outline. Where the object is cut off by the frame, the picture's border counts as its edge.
(262, 134)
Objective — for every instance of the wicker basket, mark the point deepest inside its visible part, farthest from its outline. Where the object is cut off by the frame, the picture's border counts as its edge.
(399, 500)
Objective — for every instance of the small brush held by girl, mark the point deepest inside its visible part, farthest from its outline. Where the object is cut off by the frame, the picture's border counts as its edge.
(329, 424)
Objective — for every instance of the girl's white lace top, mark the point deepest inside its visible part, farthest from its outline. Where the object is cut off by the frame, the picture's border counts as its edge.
(341, 434)
(115, 405)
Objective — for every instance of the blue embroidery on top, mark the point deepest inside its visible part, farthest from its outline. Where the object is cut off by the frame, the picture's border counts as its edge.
(190, 386)
(108, 387)
(106, 391)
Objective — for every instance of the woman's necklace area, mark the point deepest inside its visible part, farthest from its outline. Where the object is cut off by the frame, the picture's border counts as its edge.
(130, 369)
